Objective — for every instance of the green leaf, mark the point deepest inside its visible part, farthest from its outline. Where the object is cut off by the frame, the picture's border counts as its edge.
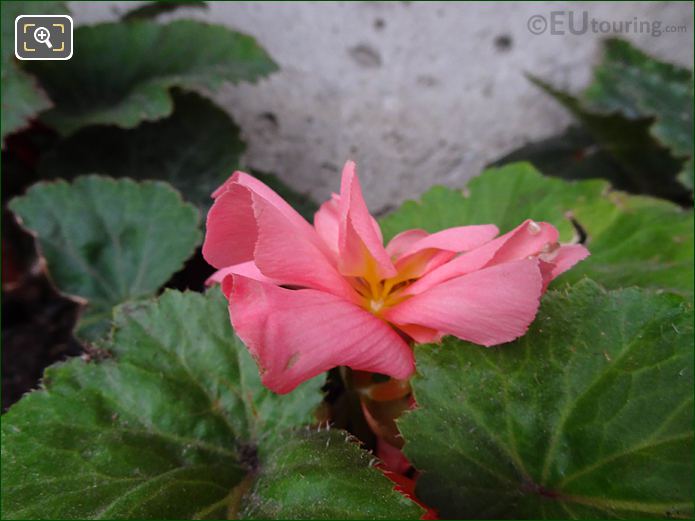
(109, 241)
(195, 149)
(640, 110)
(176, 425)
(633, 240)
(22, 98)
(323, 476)
(685, 177)
(574, 154)
(121, 73)
(589, 415)
(154, 9)
(636, 85)
(647, 166)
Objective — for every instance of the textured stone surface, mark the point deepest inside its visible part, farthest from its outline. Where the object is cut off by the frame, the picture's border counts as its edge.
(417, 93)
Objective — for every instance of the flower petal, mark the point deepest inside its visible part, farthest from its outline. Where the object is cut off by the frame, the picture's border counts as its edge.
(392, 458)
(295, 335)
(362, 253)
(458, 239)
(555, 264)
(327, 222)
(250, 222)
(403, 241)
(434, 250)
(230, 230)
(488, 307)
(421, 334)
(267, 193)
(291, 257)
(527, 239)
(247, 269)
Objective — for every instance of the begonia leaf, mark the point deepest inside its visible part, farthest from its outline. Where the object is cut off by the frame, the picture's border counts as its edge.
(589, 415)
(121, 73)
(22, 97)
(109, 241)
(173, 422)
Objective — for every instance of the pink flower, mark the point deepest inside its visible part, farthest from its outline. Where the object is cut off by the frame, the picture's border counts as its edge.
(308, 298)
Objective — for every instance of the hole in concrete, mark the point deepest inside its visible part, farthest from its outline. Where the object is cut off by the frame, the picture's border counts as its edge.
(268, 122)
(379, 24)
(503, 42)
(426, 80)
(329, 166)
(365, 56)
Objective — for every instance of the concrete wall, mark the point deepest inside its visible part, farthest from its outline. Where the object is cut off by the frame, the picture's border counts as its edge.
(416, 92)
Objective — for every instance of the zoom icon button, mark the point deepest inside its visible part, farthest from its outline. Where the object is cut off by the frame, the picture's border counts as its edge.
(43, 37)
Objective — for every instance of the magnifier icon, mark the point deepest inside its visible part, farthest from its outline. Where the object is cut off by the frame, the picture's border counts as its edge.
(42, 35)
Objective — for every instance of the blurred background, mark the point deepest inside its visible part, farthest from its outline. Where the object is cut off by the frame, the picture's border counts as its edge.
(417, 93)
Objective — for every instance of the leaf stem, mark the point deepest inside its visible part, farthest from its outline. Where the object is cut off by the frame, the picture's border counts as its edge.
(236, 495)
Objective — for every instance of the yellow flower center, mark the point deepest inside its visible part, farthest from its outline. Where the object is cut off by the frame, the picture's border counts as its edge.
(377, 295)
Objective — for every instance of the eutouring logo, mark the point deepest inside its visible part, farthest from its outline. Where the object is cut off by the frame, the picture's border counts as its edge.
(560, 23)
